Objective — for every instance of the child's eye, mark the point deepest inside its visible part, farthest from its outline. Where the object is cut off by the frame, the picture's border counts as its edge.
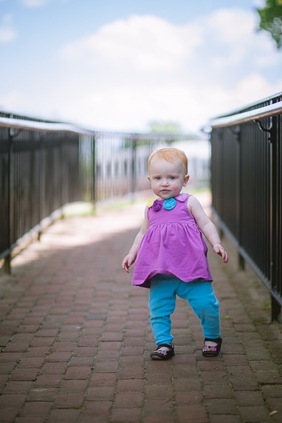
(172, 177)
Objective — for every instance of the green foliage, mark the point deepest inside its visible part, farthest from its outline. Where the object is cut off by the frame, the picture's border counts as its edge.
(172, 130)
(271, 20)
(164, 127)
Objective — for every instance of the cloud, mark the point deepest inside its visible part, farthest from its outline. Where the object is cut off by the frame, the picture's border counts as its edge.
(223, 30)
(234, 40)
(141, 42)
(12, 100)
(40, 3)
(35, 3)
(253, 87)
(7, 32)
(131, 71)
(144, 68)
(231, 25)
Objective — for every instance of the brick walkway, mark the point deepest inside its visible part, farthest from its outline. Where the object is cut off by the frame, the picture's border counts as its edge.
(75, 338)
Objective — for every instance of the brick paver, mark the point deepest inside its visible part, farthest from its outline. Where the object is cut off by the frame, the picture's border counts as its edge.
(75, 338)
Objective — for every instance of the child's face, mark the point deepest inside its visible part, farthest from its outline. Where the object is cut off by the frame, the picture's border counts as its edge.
(167, 179)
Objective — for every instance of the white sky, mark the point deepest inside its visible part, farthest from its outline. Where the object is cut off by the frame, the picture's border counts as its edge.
(118, 64)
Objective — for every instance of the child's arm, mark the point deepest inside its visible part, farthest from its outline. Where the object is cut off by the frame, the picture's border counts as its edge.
(207, 227)
(130, 258)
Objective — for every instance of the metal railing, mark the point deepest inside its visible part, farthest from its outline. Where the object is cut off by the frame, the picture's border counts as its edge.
(246, 182)
(45, 165)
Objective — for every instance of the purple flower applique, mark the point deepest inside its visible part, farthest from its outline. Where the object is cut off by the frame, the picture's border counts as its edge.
(157, 205)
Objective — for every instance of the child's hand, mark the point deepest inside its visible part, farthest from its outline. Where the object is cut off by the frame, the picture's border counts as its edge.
(218, 249)
(128, 261)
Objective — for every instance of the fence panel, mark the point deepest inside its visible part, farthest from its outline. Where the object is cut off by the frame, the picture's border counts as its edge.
(39, 173)
(247, 186)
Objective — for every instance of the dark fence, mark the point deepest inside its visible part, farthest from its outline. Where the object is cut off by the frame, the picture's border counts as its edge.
(38, 174)
(45, 165)
(246, 181)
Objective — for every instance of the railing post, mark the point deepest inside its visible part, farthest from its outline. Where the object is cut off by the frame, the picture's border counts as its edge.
(41, 182)
(7, 259)
(133, 168)
(275, 310)
(7, 264)
(237, 134)
(274, 166)
(94, 187)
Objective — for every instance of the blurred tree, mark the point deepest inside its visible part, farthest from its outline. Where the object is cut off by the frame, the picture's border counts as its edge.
(165, 127)
(271, 20)
(170, 129)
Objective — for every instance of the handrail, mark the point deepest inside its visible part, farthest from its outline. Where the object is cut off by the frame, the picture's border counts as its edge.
(251, 115)
(31, 125)
(43, 126)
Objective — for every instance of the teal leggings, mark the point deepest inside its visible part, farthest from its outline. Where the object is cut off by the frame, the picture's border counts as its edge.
(200, 297)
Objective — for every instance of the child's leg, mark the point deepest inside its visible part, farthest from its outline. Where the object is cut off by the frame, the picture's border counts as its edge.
(162, 304)
(201, 297)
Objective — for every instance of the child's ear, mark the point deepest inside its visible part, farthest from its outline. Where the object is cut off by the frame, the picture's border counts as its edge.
(149, 179)
(186, 179)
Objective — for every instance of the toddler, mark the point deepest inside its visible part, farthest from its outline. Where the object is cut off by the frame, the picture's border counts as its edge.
(170, 254)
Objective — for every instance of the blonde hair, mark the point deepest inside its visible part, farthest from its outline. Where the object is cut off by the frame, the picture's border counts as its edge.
(170, 155)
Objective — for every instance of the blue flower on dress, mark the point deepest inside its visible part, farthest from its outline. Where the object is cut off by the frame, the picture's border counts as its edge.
(169, 203)
(157, 205)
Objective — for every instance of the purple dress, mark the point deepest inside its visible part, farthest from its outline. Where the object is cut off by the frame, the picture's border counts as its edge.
(173, 245)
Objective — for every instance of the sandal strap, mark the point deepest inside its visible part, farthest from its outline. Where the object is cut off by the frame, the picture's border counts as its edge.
(163, 352)
(169, 346)
(212, 346)
(217, 341)
(163, 349)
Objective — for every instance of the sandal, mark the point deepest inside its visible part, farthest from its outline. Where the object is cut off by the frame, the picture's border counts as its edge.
(211, 347)
(163, 352)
